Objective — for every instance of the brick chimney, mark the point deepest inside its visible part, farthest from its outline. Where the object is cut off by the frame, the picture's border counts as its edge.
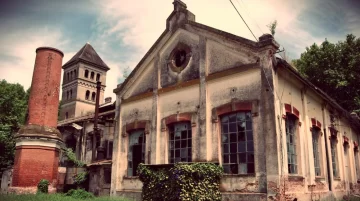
(38, 142)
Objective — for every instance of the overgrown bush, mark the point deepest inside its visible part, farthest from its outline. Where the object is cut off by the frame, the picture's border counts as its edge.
(79, 194)
(195, 182)
(68, 152)
(43, 186)
(80, 178)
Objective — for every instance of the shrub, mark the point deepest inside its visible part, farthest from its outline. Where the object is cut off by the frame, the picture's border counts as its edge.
(79, 194)
(68, 152)
(196, 181)
(43, 186)
(80, 178)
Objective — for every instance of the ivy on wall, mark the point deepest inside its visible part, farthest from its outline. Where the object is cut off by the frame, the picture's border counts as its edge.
(184, 181)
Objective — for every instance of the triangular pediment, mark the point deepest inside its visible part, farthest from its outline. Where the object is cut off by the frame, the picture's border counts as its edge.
(223, 51)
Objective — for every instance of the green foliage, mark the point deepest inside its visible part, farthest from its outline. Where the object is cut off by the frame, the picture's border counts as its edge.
(53, 197)
(80, 178)
(272, 27)
(79, 194)
(334, 68)
(196, 181)
(13, 107)
(43, 186)
(72, 157)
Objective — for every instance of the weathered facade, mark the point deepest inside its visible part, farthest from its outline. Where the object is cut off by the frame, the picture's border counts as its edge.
(204, 95)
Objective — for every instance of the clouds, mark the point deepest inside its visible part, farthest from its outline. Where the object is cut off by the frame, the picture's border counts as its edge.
(122, 31)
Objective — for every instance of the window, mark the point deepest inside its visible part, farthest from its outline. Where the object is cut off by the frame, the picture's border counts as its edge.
(93, 96)
(68, 76)
(315, 142)
(356, 155)
(71, 75)
(86, 73)
(333, 143)
(180, 142)
(75, 73)
(67, 95)
(237, 143)
(110, 150)
(98, 77)
(87, 95)
(70, 93)
(290, 125)
(136, 153)
(107, 175)
(92, 75)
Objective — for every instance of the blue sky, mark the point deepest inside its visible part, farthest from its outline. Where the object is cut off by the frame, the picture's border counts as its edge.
(121, 31)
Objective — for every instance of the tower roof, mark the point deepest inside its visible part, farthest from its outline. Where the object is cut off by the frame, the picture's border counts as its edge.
(88, 55)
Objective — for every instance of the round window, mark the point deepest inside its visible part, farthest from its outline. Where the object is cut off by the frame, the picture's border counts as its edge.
(180, 57)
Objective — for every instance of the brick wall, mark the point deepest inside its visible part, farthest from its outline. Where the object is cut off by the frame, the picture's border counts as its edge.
(45, 87)
(33, 163)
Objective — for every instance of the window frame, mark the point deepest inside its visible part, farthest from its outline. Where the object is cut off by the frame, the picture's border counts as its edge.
(87, 95)
(86, 74)
(294, 141)
(247, 114)
(334, 156)
(93, 96)
(181, 140)
(131, 133)
(316, 150)
(357, 165)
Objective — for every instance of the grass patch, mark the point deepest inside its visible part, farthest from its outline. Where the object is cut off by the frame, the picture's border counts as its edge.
(53, 197)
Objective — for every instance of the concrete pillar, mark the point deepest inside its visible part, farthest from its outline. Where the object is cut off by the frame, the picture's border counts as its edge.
(204, 132)
(38, 142)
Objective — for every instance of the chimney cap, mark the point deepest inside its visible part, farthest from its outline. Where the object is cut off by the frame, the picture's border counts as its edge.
(179, 5)
(49, 48)
(108, 100)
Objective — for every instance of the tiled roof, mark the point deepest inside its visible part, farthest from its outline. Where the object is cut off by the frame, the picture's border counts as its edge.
(87, 54)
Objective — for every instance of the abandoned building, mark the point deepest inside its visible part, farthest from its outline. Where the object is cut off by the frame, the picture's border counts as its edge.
(203, 95)
(81, 76)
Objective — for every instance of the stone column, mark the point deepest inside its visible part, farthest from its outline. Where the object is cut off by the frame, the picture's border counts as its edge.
(38, 142)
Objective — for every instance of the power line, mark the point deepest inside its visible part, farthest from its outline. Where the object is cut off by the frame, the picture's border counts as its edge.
(243, 20)
(252, 19)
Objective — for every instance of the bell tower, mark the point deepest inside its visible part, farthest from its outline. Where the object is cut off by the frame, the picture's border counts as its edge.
(81, 73)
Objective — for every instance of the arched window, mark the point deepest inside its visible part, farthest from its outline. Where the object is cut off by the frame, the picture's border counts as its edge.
(180, 142)
(68, 76)
(136, 154)
(86, 73)
(67, 95)
(71, 75)
(87, 95)
(70, 93)
(66, 115)
(93, 96)
(237, 143)
(75, 74)
(98, 77)
(92, 75)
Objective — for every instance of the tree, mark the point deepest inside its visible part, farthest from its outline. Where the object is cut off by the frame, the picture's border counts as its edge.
(13, 107)
(272, 27)
(334, 68)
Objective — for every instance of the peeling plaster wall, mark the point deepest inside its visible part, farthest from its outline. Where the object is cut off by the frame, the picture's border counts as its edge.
(167, 76)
